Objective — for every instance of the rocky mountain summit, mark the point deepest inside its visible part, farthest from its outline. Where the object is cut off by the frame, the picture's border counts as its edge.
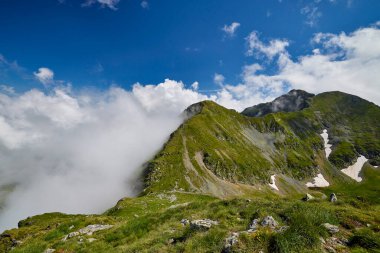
(236, 182)
(293, 101)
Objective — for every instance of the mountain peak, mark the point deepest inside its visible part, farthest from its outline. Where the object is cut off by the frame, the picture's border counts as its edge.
(294, 100)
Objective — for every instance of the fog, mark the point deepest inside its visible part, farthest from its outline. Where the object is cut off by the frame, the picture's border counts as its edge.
(76, 153)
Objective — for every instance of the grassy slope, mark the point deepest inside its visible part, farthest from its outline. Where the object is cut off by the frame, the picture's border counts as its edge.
(241, 153)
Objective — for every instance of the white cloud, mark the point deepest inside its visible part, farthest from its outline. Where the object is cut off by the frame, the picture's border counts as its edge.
(169, 96)
(344, 62)
(231, 29)
(80, 153)
(144, 4)
(7, 89)
(272, 48)
(218, 79)
(103, 3)
(44, 75)
(195, 86)
(312, 13)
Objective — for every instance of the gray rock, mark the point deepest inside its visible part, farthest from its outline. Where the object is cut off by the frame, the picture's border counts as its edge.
(254, 225)
(269, 221)
(87, 230)
(185, 222)
(308, 197)
(333, 197)
(331, 228)
(230, 241)
(49, 250)
(202, 224)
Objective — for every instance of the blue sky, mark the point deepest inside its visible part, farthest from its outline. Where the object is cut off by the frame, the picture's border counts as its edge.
(110, 42)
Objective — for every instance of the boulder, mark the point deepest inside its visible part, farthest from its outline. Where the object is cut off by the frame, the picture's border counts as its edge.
(185, 222)
(308, 197)
(331, 228)
(253, 226)
(203, 224)
(269, 221)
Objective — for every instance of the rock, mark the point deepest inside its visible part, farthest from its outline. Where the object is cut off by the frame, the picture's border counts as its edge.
(331, 228)
(171, 241)
(87, 230)
(185, 222)
(49, 250)
(253, 226)
(71, 227)
(333, 198)
(308, 197)
(269, 221)
(91, 239)
(230, 241)
(202, 224)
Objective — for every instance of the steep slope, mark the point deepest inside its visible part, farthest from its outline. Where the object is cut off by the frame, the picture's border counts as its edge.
(216, 146)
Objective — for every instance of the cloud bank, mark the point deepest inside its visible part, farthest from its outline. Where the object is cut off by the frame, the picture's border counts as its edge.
(76, 153)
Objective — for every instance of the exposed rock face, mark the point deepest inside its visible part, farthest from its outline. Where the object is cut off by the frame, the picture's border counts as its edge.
(331, 228)
(294, 100)
(89, 230)
(193, 110)
(333, 197)
(202, 224)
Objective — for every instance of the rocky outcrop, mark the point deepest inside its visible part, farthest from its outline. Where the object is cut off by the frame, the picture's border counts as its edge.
(294, 100)
(333, 198)
(203, 224)
(89, 230)
(331, 228)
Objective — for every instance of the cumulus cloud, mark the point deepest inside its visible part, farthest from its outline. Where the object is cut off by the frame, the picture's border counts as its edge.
(257, 47)
(230, 30)
(44, 75)
(103, 3)
(344, 62)
(218, 79)
(79, 153)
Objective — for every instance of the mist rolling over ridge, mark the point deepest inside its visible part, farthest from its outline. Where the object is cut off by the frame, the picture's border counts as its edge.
(75, 154)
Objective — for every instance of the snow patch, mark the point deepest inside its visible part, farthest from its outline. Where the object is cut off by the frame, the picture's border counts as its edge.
(273, 182)
(318, 181)
(325, 137)
(354, 170)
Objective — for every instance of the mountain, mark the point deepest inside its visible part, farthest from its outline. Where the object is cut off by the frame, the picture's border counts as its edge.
(239, 179)
(293, 101)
